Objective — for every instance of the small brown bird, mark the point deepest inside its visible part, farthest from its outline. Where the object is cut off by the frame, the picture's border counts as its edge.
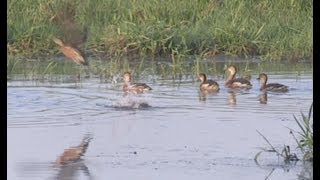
(208, 85)
(70, 52)
(233, 82)
(134, 87)
(73, 154)
(275, 87)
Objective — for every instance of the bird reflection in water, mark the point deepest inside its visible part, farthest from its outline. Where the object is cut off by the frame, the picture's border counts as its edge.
(70, 162)
(263, 97)
(204, 94)
(232, 100)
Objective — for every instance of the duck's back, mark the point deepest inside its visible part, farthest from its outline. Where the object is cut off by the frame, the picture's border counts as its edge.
(141, 86)
(239, 82)
(276, 87)
(209, 85)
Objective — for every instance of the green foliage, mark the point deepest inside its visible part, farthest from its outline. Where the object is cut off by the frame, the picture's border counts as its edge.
(273, 29)
(305, 144)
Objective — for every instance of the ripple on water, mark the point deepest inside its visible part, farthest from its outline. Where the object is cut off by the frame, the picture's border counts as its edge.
(172, 129)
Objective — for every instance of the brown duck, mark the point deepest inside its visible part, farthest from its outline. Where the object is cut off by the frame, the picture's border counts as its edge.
(71, 52)
(233, 82)
(134, 87)
(274, 87)
(208, 84)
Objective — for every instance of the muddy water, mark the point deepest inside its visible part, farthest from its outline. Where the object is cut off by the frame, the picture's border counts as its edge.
(171, 133)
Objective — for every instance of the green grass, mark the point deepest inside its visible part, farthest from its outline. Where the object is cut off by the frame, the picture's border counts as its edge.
(305, 141)
(269, 28)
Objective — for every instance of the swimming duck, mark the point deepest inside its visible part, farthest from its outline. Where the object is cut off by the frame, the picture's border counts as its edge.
(275, 87)
(134, 87)
(70, 52)
(233, 82)
(208, 85)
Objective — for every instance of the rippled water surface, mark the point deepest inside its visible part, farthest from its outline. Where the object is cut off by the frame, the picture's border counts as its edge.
(170, 133)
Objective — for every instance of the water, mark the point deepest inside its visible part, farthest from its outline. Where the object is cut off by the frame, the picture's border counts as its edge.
(177, 135)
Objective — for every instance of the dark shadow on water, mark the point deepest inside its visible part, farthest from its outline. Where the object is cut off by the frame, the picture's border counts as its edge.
(128, 105)
(129, 102)
(133, 106)
(305, 174)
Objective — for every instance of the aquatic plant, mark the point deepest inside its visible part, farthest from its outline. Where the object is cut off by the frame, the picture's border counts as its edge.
(305, 144)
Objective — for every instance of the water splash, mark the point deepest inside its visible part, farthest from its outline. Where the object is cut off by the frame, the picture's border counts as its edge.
(131, 102)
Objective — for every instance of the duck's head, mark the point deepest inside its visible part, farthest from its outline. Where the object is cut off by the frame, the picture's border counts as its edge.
(57, 41)
(127, 77)
(263, 78)
(202, 77)
(232, 69)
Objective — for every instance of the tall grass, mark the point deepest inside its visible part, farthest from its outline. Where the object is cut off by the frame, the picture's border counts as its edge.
(271, 28)
(305, 141)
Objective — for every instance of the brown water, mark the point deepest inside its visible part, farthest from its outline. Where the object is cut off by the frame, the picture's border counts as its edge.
(179, 135)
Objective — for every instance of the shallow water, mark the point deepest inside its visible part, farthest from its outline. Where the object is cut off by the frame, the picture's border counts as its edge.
(177, 134)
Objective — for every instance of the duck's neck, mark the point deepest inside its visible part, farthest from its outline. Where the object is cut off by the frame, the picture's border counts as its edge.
(204, 79)
(126, 85)
(230, 77)
(263, 85)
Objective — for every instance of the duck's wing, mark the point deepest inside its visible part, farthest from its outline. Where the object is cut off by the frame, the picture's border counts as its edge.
(238, 83)
(211, 83)
(141, 85)
(241, 80)
(73, 33)
(74, 54)
(277, 87)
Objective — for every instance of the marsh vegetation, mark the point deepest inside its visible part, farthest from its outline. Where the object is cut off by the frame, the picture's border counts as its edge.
(271, 29)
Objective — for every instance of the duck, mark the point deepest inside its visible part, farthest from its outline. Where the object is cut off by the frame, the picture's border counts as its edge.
(70, 52)
(134, 87)
(233, 82)
(74, 154)
(208, 84)
(274, 87)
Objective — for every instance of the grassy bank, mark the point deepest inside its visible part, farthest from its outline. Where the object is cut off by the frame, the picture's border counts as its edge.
(270, 28)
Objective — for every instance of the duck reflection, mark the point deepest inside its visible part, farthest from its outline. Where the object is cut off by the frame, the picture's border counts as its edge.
(204, 94)
(263, 97)
(70, 162)
(232, 100)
